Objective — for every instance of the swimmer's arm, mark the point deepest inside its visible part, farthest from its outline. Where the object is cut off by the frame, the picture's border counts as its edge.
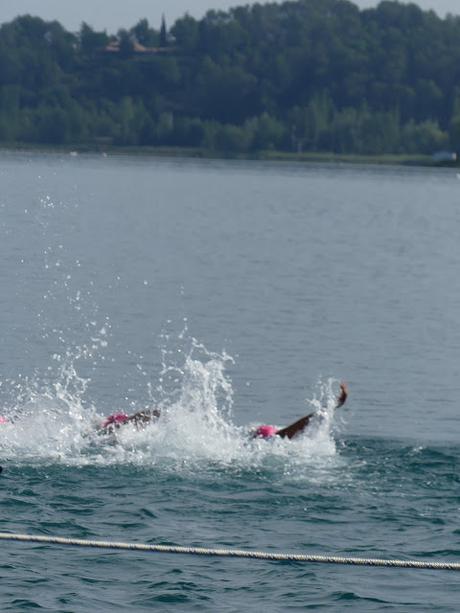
(144, 417)
(301, 424)
(342, 398)
(295, 428)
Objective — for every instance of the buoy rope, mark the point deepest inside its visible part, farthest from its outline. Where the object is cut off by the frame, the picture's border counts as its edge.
(232, 553)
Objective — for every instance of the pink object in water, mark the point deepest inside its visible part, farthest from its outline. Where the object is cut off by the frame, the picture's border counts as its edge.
(266, 432)
(3, 420)
(115, 419)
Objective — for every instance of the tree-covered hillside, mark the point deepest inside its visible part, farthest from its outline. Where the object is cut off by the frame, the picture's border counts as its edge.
(305, 75)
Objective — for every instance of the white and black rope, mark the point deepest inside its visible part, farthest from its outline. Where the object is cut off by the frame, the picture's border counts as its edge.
(233, 553)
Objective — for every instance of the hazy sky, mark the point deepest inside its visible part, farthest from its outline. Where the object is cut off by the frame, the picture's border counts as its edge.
(113, 14)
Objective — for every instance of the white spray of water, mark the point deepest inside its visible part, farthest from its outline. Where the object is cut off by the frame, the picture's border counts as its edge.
(53, 423)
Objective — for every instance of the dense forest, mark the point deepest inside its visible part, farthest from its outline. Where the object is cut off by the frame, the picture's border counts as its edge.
(299, 76)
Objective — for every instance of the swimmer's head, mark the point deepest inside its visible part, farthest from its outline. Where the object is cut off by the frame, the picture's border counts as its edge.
(116, 419)
(3, 420)
(265, 432)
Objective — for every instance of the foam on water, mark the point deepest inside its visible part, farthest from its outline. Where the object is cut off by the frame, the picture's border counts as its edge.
(51, 422)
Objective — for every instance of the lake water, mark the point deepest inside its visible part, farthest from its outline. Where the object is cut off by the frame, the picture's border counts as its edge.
(229, 294)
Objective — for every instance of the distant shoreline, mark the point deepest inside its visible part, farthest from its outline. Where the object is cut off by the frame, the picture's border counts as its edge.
(198, 153)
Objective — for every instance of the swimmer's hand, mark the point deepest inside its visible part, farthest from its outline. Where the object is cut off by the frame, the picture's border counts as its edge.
(342, 398)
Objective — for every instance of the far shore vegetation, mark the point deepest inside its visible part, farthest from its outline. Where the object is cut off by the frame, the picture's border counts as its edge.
(320, 157)
(307, 80)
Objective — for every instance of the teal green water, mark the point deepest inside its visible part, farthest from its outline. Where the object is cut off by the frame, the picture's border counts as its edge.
(228, 294)
(380, 498)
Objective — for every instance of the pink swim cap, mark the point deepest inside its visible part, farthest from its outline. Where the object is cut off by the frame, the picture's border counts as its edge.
(266, 432)
(3, 420)
(116, 418)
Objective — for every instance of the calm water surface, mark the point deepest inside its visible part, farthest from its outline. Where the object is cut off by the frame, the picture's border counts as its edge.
(228, 294)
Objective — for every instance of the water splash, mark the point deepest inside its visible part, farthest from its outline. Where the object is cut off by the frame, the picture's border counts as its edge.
(53, 422)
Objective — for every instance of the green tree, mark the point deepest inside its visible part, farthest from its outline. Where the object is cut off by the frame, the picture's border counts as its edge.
(144, 34)
(186, 33)
(231, 139)
(425, 137)
(163, 33)
(454, 133)
(126, 44)
(266, 132)
(303, 75)
(91, 41)
(52, 125)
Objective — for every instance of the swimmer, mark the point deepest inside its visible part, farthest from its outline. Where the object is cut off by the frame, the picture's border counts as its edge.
(139, 420)
(300, 425)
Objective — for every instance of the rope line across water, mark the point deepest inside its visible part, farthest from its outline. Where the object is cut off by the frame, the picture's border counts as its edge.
(232, 553)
